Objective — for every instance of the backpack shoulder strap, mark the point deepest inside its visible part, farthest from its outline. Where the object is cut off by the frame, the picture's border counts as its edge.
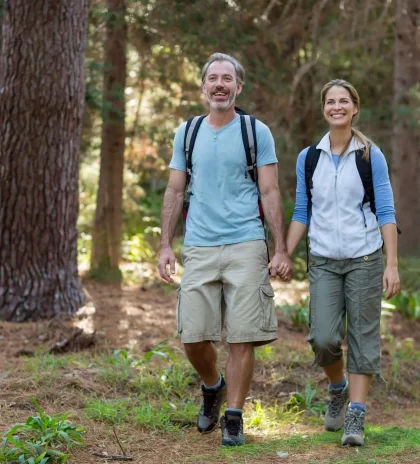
(364, 168)
(249, 139)
(365, 172)
(311, 161)
(191, 130)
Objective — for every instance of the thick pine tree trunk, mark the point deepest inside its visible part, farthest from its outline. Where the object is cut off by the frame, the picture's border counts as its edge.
(108, 217)
(41, 105)
(406, 137)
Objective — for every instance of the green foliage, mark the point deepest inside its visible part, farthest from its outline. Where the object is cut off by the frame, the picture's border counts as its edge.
(407, 304)
(159, 398)
(45, 367)
(109, 411)
(409, 270)
(39, 439)
(106, 274)
(265, 354)
(136, 249)
(306, 402)
(298, 314)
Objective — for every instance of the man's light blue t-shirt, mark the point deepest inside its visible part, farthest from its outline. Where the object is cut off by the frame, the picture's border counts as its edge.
(224, 202)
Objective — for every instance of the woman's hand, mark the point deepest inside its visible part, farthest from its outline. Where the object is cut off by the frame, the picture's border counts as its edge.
(391, 281)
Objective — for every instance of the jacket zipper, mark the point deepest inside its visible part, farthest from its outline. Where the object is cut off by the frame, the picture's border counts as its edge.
(336, 210)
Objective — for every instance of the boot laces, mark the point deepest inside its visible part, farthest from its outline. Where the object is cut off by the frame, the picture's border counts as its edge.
(234, 426)
(337, 402)
(354, 422)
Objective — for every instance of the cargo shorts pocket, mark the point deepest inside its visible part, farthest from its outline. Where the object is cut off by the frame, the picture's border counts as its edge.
(178, 311)
(268, 316)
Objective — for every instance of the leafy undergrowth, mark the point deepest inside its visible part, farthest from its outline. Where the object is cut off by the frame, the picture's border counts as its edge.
(41, 439)
(152, 400)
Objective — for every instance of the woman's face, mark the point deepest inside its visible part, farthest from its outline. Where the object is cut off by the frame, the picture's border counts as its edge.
(339, 108)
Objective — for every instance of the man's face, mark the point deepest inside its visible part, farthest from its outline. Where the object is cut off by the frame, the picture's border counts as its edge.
(221, 86)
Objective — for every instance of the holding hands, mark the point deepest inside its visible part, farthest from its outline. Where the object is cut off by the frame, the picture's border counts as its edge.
(281, 266)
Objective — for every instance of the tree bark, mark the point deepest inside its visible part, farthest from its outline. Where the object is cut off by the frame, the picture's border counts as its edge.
(108, 217)
(406, 137)
(41, 105)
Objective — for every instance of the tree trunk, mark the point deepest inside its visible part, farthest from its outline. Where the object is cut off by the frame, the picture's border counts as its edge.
(108, 217)
(41, 106)
(406, 137)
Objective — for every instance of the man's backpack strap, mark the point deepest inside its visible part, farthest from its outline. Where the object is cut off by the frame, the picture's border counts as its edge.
(191, 130)
(249, 139)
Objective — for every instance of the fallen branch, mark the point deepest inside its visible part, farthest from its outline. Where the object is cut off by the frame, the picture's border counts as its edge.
(113, 457)
(118, 441)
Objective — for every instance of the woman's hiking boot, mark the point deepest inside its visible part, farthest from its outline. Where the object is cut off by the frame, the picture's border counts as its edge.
(353, 428)
(208, 417)
(232, 429)
(335, 416)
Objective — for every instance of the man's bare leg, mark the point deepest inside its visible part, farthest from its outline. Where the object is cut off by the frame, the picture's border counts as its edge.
(239, 371)
(203, 357)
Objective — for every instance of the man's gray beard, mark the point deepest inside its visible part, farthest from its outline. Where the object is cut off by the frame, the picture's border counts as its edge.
(221, 106)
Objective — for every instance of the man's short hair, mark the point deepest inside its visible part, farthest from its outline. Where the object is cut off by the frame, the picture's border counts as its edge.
(239, 70)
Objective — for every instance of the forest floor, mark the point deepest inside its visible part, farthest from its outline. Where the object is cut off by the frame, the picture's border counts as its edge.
(117, 388)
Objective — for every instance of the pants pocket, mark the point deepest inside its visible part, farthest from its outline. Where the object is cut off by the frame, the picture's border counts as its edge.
(178, 311)
(268, 313)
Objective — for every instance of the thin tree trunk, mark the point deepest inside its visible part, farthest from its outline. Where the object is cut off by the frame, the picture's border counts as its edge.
(108, 218)
(406, 137)
(41, 106)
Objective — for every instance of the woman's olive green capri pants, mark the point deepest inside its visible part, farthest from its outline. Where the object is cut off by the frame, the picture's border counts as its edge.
(352, 288)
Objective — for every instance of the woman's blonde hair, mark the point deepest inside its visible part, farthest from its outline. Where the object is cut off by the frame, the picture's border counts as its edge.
(360, 137)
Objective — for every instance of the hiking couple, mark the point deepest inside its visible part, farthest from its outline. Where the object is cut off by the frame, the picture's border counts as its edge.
(228, 164)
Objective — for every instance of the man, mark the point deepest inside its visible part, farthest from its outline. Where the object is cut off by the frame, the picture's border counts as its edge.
(225, 255)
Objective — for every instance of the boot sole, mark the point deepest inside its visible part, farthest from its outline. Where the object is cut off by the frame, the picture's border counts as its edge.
(205, 431)
(352, 440)
(232, 443)
(332, 429)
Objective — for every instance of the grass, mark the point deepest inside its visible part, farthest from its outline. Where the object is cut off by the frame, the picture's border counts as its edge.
(379, 442)
(157, 394)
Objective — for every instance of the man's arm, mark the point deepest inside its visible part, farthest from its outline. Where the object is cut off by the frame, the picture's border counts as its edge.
(273, 210)
(171, 209)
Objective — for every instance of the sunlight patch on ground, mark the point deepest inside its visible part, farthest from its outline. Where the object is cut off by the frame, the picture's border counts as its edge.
(290, 293)
(84, 318)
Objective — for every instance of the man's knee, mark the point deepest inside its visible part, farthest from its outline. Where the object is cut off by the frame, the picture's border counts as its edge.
(241, 348)
(198, 347)
(327, 350)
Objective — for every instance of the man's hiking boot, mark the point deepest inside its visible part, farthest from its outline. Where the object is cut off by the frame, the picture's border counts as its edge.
(334, 418)
(232, 429)
(208, 417)
(353, 428)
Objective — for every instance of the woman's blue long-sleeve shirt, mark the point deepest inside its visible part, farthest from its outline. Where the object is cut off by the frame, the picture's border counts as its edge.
(384, 200)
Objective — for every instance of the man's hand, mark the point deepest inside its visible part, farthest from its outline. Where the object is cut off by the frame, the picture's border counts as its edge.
(391, 282)
(166, 258)
(281, 265)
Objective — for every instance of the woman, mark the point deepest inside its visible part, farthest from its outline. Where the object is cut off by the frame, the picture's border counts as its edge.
(346, 270)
